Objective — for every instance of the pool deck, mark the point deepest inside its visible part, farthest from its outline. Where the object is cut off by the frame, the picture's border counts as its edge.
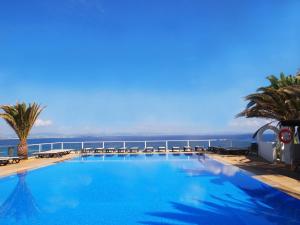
(32, 163)
(276, 175)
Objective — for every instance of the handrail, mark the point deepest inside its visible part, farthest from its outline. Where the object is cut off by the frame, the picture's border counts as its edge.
(167, 143)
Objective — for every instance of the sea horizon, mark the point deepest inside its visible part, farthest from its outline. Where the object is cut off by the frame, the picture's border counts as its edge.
(246, 137)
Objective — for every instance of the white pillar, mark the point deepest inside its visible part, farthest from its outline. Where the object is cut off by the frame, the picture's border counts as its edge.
(167, 145)
(145, 144)
(81, 145)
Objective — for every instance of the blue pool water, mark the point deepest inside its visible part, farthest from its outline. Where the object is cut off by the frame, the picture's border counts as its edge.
(125, 190)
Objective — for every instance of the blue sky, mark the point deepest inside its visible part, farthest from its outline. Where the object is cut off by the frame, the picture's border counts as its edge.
(141, 66)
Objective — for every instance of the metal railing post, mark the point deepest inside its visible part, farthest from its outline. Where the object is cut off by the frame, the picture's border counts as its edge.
(64, 145)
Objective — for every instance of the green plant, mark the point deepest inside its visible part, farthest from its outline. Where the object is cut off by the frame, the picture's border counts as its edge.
(21, 118)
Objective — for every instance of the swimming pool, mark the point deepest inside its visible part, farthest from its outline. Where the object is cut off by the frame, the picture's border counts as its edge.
(143, 189)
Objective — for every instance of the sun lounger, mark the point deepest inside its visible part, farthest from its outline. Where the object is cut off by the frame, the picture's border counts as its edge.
(187, 148)
(161, 149)
(122, 150)
(213, 149)
(3, 162)
(231, 150)
(86, 150)
(99, 150)
(198, 148)
(134, 149)
(175, 149)
(12, 159)
(149, 149)
(110, 150)
(52, 153)
(89, 150)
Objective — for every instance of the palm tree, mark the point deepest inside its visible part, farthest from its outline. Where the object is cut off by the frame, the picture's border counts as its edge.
(279, 101)
(281, 104)
(282, 81)
(13, 206)
(21, 118)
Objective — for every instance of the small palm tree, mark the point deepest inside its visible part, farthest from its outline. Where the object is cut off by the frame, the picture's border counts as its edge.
(21, 118)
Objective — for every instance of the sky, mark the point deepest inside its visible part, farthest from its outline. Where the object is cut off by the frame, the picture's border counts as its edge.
(105, 67)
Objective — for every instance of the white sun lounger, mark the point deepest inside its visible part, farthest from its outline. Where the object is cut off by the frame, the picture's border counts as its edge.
(110, 150)
(161, 149)
(99, 150)
(52, 153)
(149, 149)
(134, 149)
(175, 149)
(9, 159)
(187, 148)
(122, 150)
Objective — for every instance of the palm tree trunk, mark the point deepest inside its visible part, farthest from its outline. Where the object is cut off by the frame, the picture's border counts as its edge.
(23, 149)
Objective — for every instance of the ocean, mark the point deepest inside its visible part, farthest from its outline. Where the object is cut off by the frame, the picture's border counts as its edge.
(238, 140)
(237, 137)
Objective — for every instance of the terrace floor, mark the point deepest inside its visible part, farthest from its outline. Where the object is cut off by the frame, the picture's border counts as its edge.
(32, 163)
(276, 175)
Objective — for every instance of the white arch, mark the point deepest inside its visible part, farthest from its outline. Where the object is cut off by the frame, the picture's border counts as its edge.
(261, 131)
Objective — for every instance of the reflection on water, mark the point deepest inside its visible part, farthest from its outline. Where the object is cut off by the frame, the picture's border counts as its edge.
(144, 190)
(264, 207)
(258, 202)
(20, 204)
(207, 165)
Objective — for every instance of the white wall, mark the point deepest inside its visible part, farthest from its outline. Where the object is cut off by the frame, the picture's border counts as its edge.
(286, 155)
(267, 150)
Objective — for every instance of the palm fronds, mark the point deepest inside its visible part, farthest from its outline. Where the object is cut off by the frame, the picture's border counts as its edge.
(21, 118)
(278, 101)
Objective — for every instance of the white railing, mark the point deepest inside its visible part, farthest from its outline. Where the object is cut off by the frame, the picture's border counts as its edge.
(127, 144)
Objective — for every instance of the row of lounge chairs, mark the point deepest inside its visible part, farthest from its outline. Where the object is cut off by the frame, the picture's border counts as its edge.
(52, 153)
(145, 150)
(229, 150)
(4, 160)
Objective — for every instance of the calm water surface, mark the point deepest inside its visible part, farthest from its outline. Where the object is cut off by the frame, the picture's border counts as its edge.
(166, 189)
